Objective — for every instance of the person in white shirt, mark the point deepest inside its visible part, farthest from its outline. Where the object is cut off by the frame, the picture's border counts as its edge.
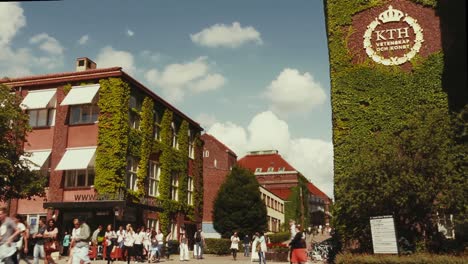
(138, 246)
(160, 238)
(110, 238)
(184, 252)
(129, 241)
(147, 241)
(120, 236)
(234, 245)
(22, 243)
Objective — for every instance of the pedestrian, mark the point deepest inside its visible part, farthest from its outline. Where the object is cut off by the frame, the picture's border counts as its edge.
(261, 248)
(169, 239)
(94, 238)
(183, 247)
(199, 243)
(298, 246)
(65, 243)
(254, 255)
(147, 242)
(160, 239)
(246, 243)
(129, 240)
(110, 237)
(81, 241)
(309, 234)
(292, 228)
(153, 250)
(74, 234)
(22, 238)
(138, 244)
(234, 245)
(38, 251)
(50, 241)
(8, 233)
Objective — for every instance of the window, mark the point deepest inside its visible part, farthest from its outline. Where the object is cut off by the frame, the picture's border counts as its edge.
(41, 117)
(215, 163)
(132, 168)
(157, 128)
(152, 223)
(134, 120)
(79, 178)
(175, 143)
(206, 154)
(270, 169)
(174, 186)
(154, 173)
(83, 114)
(190, 191)
(191, 148)
(281, 169)
(258, 170)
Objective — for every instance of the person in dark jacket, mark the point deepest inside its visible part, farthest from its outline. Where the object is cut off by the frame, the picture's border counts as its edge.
(298, 247)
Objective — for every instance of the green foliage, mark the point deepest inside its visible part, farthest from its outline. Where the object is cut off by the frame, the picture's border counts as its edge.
(279, 237)
(113, 140)
(238, 205)
(198, 178)
(146, 128)
(412, 259)
(217, 246)
(394, 147)
(293, 208)
(17, 181)
(182, 162)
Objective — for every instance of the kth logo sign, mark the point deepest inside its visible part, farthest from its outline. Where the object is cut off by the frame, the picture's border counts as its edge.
(393, 38)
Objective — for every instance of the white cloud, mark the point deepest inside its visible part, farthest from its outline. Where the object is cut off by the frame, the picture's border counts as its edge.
(294, 92)
(47, 43)
(109, 57)
(83, 40)
(221, 35)
(12, 20)
(130, 33)
(152, 56)
(178, 78)
(205, 120)
(312, 157)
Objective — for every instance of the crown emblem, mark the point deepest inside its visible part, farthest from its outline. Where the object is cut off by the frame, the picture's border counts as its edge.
(391, 15)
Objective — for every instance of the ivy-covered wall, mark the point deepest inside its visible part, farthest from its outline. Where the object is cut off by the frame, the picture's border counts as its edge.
(372, 104)
(117, 141)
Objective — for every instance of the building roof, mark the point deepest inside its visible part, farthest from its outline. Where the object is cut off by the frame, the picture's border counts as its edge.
(89, 74)
(317, 192)
(265, 161)
(219, 143)
(281, 193)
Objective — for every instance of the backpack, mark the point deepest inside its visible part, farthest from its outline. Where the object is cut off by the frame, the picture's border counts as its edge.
(197, 237)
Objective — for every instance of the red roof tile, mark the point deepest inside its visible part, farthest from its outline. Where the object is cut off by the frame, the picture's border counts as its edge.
(317, 192)
(265, 161)
(220, 144)
(281, 193)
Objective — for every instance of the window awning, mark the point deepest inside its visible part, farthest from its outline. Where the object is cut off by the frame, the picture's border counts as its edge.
(81, 95)
(38, 99)
(36, 159)
(77, 159)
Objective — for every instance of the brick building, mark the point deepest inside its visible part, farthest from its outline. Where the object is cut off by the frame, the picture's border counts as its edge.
(277, 176)
(65, 144)
(218, 160)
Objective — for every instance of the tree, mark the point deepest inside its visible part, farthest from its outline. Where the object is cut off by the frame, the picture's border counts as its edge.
(16, 180)
(238, 205)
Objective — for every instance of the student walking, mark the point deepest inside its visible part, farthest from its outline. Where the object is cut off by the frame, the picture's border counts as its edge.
(199, 243)
(246, 243)
(184, 252)
(111, 239)
(129, 241)
(39, 242)
(234, 245)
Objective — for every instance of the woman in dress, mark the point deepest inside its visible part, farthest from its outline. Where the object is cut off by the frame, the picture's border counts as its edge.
(184, 252)
(50, 236)
(234, 245)
(254, 255)
(110, 238)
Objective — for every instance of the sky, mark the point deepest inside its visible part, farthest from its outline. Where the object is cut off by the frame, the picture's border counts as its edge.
(254, 74)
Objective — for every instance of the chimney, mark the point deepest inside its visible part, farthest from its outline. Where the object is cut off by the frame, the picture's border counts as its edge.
(83, 64)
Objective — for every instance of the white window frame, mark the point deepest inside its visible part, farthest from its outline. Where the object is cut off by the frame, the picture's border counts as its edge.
(258, 170)
(91, 109)
(71, 178)
(157, 128)
(215, 163)
(270, 169)
(174, 186)
(206, 153)
(190, 190)
(175, 140)
(131, 181)
(191, 148)
(48, 115)
(281, 169)
(153, 178)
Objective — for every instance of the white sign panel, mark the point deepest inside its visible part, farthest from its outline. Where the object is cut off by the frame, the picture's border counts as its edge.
(383, 235)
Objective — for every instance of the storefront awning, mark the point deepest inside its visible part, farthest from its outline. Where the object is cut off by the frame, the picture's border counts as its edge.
(38, 99)
(36, 159)
(77, 158)
(81, 95)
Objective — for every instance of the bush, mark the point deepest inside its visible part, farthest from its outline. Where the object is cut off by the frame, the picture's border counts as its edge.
(411, 259)
(218, 246)
(279, 237)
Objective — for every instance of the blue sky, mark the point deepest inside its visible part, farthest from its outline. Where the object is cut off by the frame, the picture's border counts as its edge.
(255, 74)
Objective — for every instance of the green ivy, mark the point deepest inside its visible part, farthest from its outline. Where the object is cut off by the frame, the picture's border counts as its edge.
(113, 129)
(198, 179)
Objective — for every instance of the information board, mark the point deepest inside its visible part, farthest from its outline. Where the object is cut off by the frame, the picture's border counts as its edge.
(383, 235)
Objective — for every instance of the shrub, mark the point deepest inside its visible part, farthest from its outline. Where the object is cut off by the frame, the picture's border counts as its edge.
(218, 246)
(411, 259)
(279, 237)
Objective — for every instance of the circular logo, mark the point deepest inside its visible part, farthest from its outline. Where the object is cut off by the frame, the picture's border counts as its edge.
(391, 41)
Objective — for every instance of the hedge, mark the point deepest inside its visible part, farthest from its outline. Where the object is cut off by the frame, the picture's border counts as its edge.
(411, 259)
(217, 246)
(279, 237)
